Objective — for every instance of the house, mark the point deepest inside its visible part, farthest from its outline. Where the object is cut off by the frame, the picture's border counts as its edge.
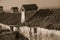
(14, 10)
(27, 11)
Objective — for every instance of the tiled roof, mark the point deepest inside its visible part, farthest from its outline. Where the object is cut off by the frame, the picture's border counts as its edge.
(10, 18)
(38, 17)
(13, 18)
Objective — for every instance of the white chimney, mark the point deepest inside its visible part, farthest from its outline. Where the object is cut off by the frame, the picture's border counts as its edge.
(22, 15)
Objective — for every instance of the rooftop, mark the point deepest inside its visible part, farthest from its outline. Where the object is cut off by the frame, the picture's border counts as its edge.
(29, 7)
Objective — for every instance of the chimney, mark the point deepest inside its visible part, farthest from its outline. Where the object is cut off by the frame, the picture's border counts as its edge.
(1, 9)
(22, 15)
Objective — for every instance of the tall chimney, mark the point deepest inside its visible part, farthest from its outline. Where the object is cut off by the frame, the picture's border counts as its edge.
(22, 15)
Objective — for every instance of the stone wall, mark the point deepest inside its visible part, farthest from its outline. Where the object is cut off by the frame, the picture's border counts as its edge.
(8, 36)
(42, 34)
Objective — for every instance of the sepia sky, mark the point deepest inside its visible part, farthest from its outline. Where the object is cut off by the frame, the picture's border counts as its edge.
(40, 3)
